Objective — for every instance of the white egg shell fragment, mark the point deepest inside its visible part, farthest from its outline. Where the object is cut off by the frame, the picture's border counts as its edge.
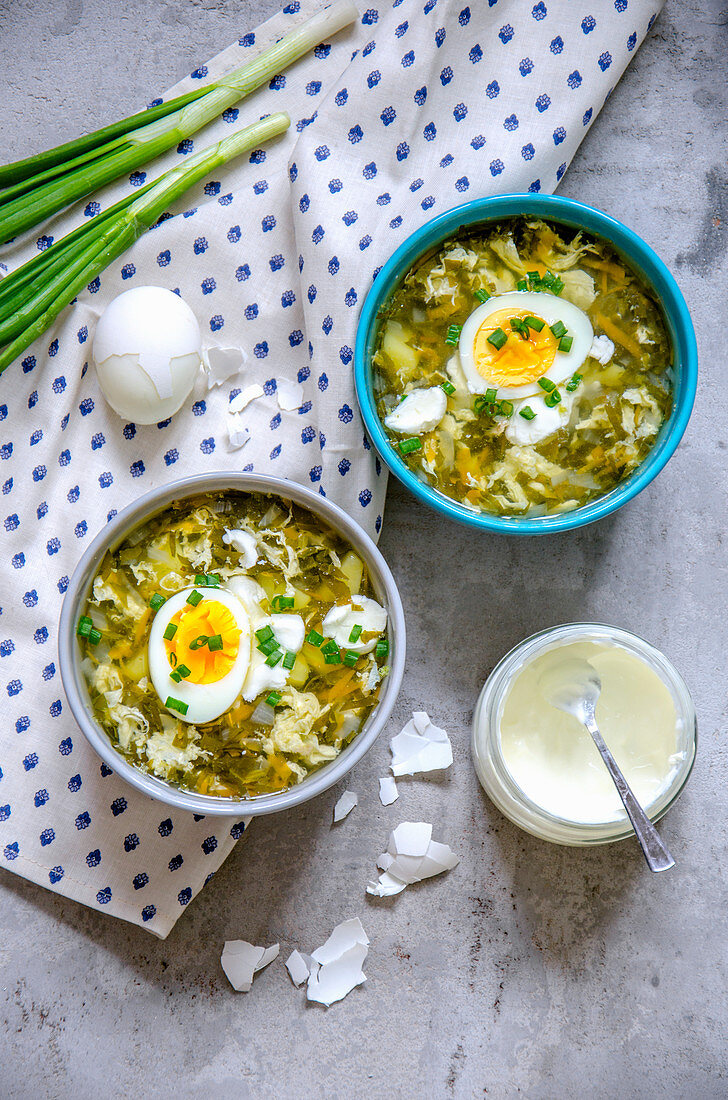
(345, 805)
(363, 612)
(421, 411)
(337, 964)
(242, 960)
(238, 435)
(388, 792)
(545, 422)
(205, 702)
(147, 351)
(244, 398)
(289, 394)
(549, 308)
(298, 968)
(412, 855)
(222, 363)
(245, 544)
(420, 747)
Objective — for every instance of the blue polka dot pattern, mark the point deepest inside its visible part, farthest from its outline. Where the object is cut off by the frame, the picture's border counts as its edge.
(419, 106)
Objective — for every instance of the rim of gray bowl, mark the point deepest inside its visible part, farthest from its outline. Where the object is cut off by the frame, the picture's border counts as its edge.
(74, 683)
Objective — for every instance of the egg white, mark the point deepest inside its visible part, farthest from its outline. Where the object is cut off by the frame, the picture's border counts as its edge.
(551, 309)
(205, 702)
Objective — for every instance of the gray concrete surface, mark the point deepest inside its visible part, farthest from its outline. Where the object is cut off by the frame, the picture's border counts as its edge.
(531, 970)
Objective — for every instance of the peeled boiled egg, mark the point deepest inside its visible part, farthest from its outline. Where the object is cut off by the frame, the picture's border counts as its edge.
(199, 653)
(147, 350)
(500, 350)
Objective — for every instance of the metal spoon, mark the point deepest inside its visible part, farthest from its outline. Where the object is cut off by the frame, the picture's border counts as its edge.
(575, 687)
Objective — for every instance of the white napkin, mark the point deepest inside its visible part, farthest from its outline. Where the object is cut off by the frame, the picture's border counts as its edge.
(420, 106)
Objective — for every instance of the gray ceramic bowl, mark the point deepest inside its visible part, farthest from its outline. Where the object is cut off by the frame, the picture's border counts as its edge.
(70, 651)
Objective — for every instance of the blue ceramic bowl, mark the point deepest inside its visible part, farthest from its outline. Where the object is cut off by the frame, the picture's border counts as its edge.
(578, 216)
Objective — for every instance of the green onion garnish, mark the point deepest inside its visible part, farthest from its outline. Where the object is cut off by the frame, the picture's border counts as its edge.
(573, 382)
(490, 396)
(565, 343)
(527, 412)
(274, 658)
(170, 631)
(281, 602)
(557, 286)
(289, 660)
(94, 636)
(194, 598)
(559, 329)
(533, 276)
(350, 659)
(175, 676)
(552, 399)
(214, 643)
(273, 698)
(264, 634)
(173, 658)
(333, 658)
(207, 580)
(497, 338)
(199, 641)
(548, 279)
(381, 650)
(447, 387)
(314, 638)
(157, 600)
(506, 408)
(535, 323)
(453, 334)
(414, 443)
(270, 645)
(330, 647)
(85, 626)
(355, 633)
(482, 295)
(546, 384)
(176, 704)
(182, 671)
(519, 326)
(522, 285)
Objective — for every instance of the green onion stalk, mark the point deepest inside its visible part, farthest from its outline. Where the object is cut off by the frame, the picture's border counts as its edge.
(62, 283)
(40, 186)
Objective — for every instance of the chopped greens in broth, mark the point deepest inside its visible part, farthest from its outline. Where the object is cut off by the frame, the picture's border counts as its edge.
(294, 710)
(574, 439)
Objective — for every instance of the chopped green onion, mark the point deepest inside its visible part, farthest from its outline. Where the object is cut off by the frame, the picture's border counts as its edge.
(482, 295)
(519, 326)
(559, 329)
(182, 671)
(281, 602)
(214, 643)
(573, 382)
(557, 286)
(521, 285)
(506, 408)
(330, 647)
(176, 704)
(175, 676)
(264, 634)
(314, 638)
(273, 698)
(170, 631)
(173, 658)
(497, 338)
(490, 396)
(207, 580)
(565, 343)
(85, 626)
(333, 658)
(381, 649)
(453, 334)
(274, 658)
(551, 400)
(199, 641)
(269, 646)
(94, 636)
(157, 600)
(355, 633)
(527, 412)
(533, 276)
(414, 443)
(194, 598)
(350, 659)
(535, 323)
(448, 388)
(548, 279)
(546, 384)
(289, 660)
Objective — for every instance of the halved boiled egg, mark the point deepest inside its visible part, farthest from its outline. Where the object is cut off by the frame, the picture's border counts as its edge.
(508, 344)
(199, 652)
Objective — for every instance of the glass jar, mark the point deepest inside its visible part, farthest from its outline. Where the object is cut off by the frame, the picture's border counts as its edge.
(490, 765)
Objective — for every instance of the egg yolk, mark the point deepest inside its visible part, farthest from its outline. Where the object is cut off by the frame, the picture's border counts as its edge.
(518, 361)
(190, 646)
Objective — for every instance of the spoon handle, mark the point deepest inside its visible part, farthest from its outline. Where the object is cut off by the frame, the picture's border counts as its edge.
(655, 851)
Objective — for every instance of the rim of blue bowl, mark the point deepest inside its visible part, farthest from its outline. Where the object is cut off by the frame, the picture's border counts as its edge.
(575, 215)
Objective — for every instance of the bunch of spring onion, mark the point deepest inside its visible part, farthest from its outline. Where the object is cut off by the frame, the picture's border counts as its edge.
(39, 187)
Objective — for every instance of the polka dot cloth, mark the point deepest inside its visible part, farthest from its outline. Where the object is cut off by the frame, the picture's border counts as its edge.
(420, 106)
